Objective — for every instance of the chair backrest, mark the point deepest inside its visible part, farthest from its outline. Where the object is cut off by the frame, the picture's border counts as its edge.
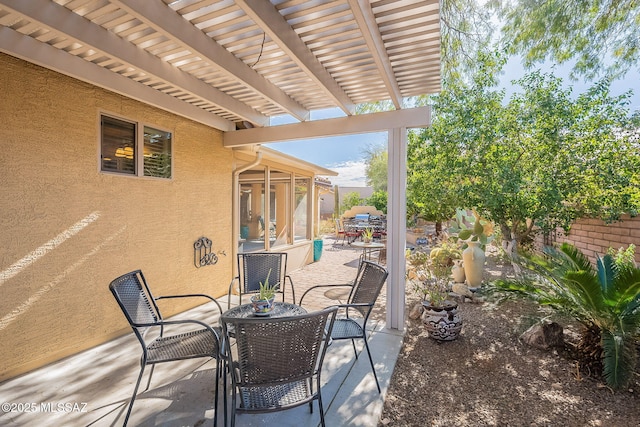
(339, 227)
(254, 267)
(367, 286)
(134, 298)
(279, 350)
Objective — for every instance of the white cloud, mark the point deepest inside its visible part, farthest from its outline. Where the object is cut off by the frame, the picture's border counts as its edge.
(350, 174)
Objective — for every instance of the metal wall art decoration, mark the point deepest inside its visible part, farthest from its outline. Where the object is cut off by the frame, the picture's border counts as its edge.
(202, 253)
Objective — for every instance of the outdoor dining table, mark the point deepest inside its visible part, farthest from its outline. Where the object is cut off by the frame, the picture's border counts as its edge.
(280, 309)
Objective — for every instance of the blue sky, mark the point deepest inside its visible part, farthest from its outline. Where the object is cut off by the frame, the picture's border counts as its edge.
(344, 154)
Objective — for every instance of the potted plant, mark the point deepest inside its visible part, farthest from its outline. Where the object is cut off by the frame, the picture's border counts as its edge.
(429, 274)
(367, 235)
(476, 232)
(263, 301)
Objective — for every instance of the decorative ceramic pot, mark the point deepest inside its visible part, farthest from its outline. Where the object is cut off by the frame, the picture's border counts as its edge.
(443, 323)
(473, 261)
(262, 306)
(457, 271)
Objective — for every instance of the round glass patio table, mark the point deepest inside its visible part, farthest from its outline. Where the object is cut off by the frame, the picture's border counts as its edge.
(280, 309)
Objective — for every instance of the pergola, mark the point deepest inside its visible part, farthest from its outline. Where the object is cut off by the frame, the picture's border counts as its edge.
(234, 64)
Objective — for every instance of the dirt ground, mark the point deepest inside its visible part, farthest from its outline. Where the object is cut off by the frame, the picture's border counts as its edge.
(488, 377)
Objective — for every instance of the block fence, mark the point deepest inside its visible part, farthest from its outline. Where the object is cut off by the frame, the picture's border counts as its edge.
(594, 236)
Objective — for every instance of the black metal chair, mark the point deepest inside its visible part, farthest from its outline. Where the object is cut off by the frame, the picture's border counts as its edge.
(277, 361)
(139, 306)
(253, 268)
(362, 297)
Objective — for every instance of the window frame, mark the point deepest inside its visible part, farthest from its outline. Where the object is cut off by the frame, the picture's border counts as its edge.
(139, 142)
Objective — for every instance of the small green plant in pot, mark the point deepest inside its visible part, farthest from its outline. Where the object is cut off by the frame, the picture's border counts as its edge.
(367, 235)
(429, 274)
(263, 301)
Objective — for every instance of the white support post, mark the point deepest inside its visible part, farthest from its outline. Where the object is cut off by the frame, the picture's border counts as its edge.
(396, 226)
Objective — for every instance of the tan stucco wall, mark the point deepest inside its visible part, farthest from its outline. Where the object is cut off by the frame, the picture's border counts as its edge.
(67, 230)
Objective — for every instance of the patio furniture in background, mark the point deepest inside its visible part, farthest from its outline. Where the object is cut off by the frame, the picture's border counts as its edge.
(253, 268)
(139, 307)
(363, 295)
(340, 233)
(369, 250)
(278, 361)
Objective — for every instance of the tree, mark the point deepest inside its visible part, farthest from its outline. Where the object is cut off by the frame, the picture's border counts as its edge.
(541, 159)
(350, 200)
(590, 31)
(376, 168)
(438, 157)
(379, 200)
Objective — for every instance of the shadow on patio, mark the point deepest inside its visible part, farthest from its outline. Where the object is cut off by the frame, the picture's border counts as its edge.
(93, 388)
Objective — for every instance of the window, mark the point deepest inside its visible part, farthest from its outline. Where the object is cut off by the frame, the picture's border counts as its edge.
(274, 218)
(121, 146)
(300, 215)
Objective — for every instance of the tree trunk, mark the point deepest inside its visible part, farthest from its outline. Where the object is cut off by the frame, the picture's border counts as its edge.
(510, 246)
(438, 228)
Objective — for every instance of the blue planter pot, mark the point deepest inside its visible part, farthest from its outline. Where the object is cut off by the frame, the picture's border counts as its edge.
(317, 250)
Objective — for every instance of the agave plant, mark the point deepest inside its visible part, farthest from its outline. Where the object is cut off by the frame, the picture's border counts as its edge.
(604, 298)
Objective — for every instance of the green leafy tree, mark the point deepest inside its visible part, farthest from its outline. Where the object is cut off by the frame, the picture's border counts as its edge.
(376, 168)
(440, 159)
(601, 36)
(544, 158)
(350, 200)
(379, 200)
(430, 193)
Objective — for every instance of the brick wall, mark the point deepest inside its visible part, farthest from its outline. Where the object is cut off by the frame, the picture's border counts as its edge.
(594, 236)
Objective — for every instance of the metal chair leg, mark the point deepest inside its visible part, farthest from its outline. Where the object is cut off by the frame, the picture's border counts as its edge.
(373, 369)
(133, 397)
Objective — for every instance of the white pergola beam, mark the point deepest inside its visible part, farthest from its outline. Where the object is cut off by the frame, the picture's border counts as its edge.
(367, 22)
(277, 28)
(365, 123)
(29, 49)
(61, 20)
(172, 25)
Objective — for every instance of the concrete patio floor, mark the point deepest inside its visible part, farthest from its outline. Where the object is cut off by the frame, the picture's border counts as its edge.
(93, 388)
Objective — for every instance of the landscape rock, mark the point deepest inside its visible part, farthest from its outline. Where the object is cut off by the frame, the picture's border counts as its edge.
(416, 311)
(544, 335)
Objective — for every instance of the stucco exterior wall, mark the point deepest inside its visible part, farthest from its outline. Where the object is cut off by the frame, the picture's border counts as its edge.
(67, 229)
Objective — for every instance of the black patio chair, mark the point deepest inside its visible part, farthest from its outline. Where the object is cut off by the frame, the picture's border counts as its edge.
(362, 297)
(277, 361)
(253, 268)
(194, 339)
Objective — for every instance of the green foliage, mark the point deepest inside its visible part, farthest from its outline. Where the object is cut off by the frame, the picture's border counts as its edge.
(541, 158)
(376, 168)
(601, 36)
(350, 200)
(429, 271)
(605, 299)
(267, 291)
(379, 200)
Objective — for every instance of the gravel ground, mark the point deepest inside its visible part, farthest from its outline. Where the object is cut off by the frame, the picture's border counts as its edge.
(487, 377)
